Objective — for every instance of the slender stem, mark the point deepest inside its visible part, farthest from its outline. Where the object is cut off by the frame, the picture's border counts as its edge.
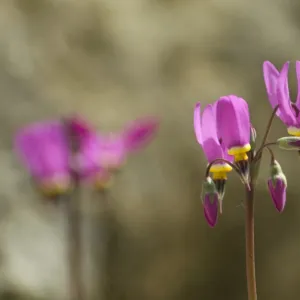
(271, 154)
(261, 149)
(250, 249)
(268, 127)
(74, 245)
(74, 219)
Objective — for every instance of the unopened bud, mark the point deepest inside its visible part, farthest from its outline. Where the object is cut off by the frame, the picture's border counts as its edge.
(210, 199)
(253, 136)
(289, 143)
(277, 185)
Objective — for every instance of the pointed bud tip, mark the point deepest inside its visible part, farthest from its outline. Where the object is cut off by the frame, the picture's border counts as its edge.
(289, 143)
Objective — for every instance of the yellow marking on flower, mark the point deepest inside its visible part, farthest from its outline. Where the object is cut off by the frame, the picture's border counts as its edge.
(294, 131)
(240, 153)
(219, 171)
(219, 175)
(103, 183)
(54, 189)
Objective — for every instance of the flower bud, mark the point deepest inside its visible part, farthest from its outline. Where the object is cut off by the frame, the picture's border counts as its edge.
(210, 199)
(289, 143)
(277, 184)
(253, 136)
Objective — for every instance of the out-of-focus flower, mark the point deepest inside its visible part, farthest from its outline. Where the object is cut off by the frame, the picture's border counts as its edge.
(278, 93)
(56, 151)
(210, 200)
(114, 148)
(43, 149)
(277, 185)
(103, 154)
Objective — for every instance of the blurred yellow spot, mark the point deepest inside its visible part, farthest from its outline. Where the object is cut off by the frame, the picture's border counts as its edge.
(103, 183)
(55, 189)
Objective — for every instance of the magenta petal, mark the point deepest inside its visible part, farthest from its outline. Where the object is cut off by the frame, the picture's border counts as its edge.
(197, 123)
(298, 83)
(211, 145)
(286, 112)
(278, 193)
(233, 121)
(140, 133)
(112, 151)
(43, 148)
(79, 126)
(210, 207)
(271, 76)
(88, 158)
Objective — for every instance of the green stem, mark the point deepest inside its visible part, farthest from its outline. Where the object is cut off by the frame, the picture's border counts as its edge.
(250, 249)
(75, 247)
(74, 219)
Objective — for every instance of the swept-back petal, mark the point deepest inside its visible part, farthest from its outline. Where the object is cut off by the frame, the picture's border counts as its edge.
(139, 133)
(113, 151)
(197, 123)
(233, 121)
(298, 83)
(271, 76)
(211, 145)
(287, 114)
(43, 148)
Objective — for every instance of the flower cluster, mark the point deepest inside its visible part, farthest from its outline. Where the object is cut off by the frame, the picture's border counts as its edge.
(56, 152)
(223, 131)
(228, 140)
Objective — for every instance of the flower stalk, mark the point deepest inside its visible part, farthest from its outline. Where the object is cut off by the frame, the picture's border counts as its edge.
(74, 219)
(250, 248)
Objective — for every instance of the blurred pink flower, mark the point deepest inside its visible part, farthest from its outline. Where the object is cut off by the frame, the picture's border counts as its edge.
(43, 149)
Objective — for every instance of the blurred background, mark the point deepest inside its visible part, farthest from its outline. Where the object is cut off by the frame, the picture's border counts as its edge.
(114, 61)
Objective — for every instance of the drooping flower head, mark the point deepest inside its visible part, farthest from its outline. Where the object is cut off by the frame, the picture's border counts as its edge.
(206, 134)
(43, 149)
(103, 154)
(54, 152)
(278, 93)
(233, 126)
(87, 159)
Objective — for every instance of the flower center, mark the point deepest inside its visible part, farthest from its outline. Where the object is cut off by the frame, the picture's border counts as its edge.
(219, 171)
(53, 189)
(294, 131)
(57, 185)
(239, 153)
(103, 182)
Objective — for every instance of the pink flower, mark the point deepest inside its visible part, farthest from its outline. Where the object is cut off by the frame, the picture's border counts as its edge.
(115, 147)
(43, 149)
(53, 151)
